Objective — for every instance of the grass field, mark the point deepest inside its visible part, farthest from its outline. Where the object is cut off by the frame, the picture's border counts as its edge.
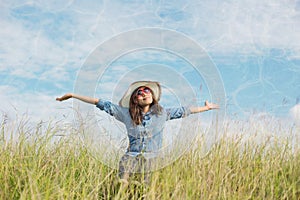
(35, 166)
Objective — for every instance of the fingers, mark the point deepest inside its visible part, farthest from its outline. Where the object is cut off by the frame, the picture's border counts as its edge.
(65, 97)
(211, 105)
(216, 106)
(59, 99)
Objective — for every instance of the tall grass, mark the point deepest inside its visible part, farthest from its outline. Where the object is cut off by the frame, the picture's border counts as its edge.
(35, 166)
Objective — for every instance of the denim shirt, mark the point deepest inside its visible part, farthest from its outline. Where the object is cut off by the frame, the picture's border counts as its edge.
(146, 137)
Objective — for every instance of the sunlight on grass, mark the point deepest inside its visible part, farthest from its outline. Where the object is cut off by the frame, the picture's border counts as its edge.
(50, 162)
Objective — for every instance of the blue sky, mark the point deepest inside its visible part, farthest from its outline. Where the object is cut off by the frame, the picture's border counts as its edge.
(254, 45)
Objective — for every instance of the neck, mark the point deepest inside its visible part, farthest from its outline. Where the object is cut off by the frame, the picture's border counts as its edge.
(146, 109)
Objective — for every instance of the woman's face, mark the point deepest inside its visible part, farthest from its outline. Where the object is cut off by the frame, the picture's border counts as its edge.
(144, 96)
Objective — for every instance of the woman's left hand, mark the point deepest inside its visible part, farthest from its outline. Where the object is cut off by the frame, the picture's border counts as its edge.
(211, 106)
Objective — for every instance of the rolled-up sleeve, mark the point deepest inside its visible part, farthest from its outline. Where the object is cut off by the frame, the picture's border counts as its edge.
(112, 109)
(176, 113)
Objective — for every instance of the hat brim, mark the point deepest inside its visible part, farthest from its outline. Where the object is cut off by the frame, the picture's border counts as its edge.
(154, 86)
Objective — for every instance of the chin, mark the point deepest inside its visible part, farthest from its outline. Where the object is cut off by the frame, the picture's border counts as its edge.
(150, 101)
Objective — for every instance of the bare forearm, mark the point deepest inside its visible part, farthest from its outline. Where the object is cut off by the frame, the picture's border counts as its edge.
(86, 99)
(199, 109)
(207, 106)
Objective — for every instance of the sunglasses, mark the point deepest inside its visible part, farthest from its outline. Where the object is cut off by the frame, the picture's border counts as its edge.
(145, 90)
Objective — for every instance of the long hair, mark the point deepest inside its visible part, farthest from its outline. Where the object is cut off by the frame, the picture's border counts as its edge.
(136, 111)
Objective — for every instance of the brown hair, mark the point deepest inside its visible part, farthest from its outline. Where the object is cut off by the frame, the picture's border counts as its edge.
(136, 111)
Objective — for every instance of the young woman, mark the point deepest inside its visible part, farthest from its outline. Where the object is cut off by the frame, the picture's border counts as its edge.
(144, 119)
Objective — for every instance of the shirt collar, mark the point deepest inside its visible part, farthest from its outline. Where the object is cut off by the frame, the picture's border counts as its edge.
(147, 113)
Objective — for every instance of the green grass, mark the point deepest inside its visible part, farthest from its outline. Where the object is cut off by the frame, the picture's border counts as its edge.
(34, 166)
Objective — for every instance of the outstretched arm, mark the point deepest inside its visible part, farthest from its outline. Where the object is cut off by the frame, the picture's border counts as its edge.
(79, 97)
(206, 107)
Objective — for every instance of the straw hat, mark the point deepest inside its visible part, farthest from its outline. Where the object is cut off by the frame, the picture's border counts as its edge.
(154, 86)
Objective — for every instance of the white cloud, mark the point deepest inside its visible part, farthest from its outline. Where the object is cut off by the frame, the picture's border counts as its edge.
(29, 48)
(37, 106)
(247, 26)
(295, 113)
(26, 53)
(34, 51)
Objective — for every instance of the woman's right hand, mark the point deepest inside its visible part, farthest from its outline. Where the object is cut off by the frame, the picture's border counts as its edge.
(65, 97)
